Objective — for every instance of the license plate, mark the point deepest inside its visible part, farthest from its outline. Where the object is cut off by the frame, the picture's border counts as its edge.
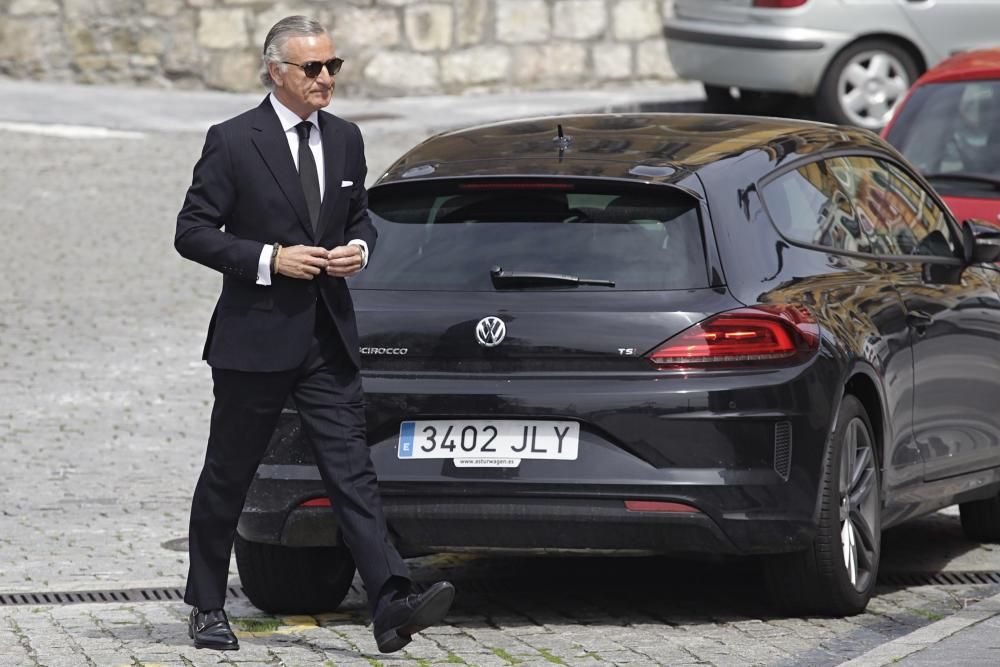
(485, 441)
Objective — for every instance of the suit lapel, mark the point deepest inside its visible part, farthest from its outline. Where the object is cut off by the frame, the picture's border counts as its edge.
(271, 143)
(333, 168)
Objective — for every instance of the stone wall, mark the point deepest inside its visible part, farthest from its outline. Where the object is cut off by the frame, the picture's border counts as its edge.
(391, 47)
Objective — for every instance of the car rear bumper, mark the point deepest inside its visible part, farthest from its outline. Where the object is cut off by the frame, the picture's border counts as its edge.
(743, 451)
(539, 525)
(766, 58)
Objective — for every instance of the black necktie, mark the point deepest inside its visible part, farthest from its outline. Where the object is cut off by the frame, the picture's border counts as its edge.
(307, 172)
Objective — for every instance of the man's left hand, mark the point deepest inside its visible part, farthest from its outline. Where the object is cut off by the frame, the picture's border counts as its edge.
(344, 260)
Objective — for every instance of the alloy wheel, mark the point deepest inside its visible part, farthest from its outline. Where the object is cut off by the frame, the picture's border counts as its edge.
(858, 489)
(870, 86)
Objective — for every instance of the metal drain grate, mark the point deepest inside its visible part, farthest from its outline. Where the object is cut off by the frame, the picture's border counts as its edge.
(91, 597)
(939, 578)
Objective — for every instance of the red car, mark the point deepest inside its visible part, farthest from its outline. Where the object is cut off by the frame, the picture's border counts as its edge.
(949, 128)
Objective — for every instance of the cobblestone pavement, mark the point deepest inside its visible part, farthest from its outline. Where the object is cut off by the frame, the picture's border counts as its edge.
(103, 413)
(516, 612)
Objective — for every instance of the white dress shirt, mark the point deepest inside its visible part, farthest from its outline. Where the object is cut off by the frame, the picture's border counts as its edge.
(289, 119)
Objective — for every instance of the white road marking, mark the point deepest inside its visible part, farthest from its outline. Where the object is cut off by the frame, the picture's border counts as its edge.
(70, 131)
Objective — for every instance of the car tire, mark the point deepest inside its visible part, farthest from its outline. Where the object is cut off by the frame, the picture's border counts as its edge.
(887, 68)
(836, 575)
(294, 580)
(981, 519)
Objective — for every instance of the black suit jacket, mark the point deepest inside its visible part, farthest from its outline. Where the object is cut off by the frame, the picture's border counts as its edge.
(245, 193)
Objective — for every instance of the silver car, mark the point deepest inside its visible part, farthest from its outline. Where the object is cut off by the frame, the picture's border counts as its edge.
(857, 58)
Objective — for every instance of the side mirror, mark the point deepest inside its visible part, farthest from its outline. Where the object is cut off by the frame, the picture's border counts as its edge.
(980, 242)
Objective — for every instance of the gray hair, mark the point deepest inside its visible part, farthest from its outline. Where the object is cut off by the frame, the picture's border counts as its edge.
(278, 36)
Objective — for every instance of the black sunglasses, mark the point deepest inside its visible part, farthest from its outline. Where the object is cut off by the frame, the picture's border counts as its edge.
(314, 67)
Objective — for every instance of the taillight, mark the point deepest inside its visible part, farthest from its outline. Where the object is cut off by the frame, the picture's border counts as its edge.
(779, 4)
(761, 335)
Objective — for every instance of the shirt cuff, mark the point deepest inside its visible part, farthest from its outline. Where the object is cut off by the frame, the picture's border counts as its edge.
(264, 265)
(364, 250)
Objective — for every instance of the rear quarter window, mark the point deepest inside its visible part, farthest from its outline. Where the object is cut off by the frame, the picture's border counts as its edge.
(860, 204)
(810, 205)
(448, 236)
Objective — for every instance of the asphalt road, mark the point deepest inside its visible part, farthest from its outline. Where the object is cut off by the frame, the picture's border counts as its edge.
(104, 407)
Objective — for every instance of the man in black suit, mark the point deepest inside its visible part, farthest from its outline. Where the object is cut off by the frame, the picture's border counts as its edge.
(278, 205)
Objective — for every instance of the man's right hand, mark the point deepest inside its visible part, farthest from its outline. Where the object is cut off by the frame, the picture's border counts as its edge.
(301, 261)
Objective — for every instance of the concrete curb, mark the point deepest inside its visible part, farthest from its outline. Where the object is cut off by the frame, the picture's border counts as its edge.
(893, 652)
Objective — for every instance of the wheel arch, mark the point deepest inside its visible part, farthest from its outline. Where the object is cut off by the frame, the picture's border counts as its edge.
(863, 385)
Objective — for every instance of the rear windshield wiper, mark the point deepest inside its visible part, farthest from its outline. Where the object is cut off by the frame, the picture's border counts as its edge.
(965, 177)
(503, 279)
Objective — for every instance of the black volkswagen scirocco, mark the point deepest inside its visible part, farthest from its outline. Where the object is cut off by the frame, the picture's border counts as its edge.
(657, 333)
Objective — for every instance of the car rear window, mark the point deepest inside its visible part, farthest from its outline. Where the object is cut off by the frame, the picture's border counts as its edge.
(450, 236)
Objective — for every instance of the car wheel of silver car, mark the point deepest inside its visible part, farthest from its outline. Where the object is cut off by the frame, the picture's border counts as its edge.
(294, 580)
(836, 575)
(865, 82)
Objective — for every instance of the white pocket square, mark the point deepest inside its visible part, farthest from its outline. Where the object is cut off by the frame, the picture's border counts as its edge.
(346, 184)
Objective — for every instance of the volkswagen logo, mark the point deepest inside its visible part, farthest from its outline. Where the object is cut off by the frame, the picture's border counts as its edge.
(490, 331)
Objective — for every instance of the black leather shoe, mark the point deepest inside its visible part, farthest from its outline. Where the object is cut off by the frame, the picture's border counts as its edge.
(210, 629)
(401, 619)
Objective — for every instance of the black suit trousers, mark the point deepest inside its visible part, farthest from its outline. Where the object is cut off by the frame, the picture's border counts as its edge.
(329, 397)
